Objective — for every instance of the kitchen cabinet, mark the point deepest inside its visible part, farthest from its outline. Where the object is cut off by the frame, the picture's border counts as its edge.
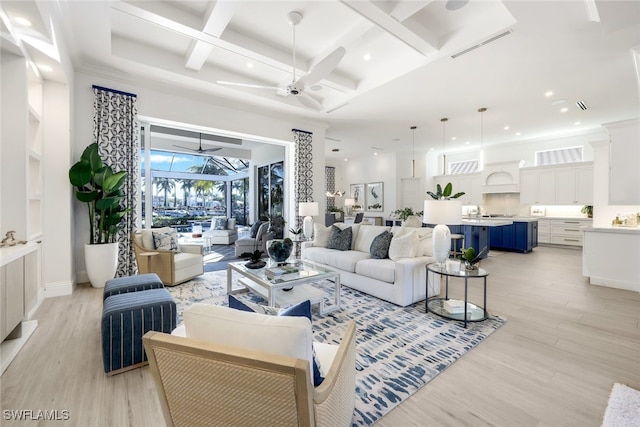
(624, 154)
(517, 237)
(562, 231)
(557, 185)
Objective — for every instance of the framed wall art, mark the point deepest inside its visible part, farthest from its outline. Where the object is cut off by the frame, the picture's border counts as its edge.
(356, 192)
(374, 197)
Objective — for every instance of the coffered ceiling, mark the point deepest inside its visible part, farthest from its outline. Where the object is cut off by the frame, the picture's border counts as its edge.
(406, 62)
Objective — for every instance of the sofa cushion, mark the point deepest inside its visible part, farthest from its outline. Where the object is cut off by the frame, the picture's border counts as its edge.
(345, 260)
(366, 235)
(404, 246)
(185, 259)
(317, 253)
(321, 235)
(380, 246)
(379, 269)
(220, 224)
(302, 309)
(166, 240)
(231, 224)
(340, 239)
(284, 335)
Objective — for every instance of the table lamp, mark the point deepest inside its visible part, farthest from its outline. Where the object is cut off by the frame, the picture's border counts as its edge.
(348, 203)
(308, 209)
(442, 212)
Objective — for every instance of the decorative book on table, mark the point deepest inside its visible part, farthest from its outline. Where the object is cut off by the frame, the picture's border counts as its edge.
(454, 306)
(274, 272)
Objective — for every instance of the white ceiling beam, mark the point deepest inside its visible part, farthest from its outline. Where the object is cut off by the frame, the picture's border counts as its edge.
(374, 14)
(405, 9)
(217, 42)
(215, 22)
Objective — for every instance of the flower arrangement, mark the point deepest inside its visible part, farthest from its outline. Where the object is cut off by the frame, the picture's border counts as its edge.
(470, 258)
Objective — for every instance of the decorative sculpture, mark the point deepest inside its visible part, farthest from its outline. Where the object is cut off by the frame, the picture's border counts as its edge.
(10, 239)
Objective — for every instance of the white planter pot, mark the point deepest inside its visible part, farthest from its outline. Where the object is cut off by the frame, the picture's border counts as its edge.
(101, 262)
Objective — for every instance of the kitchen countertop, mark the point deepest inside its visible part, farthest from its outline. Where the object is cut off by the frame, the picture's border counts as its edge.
(617, 230)
(497, 221)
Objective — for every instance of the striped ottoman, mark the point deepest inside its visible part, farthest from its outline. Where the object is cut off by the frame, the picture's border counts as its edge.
(122, 285)
(126, 318)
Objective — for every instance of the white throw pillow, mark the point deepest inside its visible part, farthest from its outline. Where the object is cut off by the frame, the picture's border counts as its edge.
(425, 245)
(321, 235)
(405, 246)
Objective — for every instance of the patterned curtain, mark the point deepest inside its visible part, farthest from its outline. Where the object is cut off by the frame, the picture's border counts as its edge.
(330, 184)
(115, 129)
(303, 173)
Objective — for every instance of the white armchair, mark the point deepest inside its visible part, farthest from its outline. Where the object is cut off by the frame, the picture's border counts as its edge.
(251, 244)
(205, 378)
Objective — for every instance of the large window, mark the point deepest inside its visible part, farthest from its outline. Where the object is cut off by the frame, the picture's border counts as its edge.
(184, 189)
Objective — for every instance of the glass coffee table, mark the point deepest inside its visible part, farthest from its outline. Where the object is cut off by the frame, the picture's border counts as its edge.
(445, 306)
(296, 288)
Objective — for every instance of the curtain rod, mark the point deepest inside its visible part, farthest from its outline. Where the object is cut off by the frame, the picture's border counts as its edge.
(119, 92)
(303, 131)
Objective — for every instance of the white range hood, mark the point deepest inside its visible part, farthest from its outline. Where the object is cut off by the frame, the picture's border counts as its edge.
(502, 177)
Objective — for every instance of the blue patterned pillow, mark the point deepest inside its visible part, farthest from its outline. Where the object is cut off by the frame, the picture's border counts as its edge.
(302, 309)
(380, 245)
(254, 229)
(220, 224)
(340, 239)
(166, 241)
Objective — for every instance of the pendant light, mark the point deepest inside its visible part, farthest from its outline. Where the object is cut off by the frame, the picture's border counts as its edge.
(481, 160)
(413, 160)
(444, 156)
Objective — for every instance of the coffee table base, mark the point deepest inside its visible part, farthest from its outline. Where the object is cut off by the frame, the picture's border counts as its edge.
(296, 295)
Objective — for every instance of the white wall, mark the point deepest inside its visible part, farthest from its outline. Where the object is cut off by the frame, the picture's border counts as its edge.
(190, 108)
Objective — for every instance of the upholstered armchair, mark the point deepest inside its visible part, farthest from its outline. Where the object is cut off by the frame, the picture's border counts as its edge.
(251, 244)
(172, 267)
(210, 378)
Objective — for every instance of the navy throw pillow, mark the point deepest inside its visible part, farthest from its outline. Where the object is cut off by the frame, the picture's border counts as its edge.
(254, 229)
(340, 239)
(380, 246)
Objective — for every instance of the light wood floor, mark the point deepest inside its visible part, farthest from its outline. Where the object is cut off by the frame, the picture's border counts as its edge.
(553, 364)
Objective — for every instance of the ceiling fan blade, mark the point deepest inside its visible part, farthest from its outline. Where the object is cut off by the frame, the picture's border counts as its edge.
(222, 82)
(208, 150)
(309, 102)
(323, 68)
(185, 148)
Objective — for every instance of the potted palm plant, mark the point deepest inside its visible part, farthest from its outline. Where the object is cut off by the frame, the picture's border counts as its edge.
(99, 187)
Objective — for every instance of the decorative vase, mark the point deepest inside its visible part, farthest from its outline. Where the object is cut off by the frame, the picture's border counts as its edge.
(470, 267)
(279, 250)
(101, 262)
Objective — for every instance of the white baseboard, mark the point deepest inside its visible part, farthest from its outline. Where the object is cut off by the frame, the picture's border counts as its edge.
(612, 283)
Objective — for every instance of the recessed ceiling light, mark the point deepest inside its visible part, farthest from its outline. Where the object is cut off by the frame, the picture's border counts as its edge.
(456, 4)
(249, 64)
(453, 138)
(22, 21)
(564, 110)
(431, 149)
(375, 154)
(316, 87)
(506, 128)
(45, 68)
(467, 143)
(345, 160)
(518, 134)
(367, 57)
(577, 123)
(548, 93)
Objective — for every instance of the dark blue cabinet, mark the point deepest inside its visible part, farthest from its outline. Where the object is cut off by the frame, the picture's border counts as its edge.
(518, 237)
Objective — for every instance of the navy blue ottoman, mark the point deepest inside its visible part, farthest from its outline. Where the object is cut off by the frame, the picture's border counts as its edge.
(122, 285)
(126, 318)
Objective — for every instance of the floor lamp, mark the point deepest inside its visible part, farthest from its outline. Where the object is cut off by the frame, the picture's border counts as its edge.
(308, 209)
(442, 213)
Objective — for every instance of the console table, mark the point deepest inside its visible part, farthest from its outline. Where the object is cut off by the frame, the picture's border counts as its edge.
(436, 305)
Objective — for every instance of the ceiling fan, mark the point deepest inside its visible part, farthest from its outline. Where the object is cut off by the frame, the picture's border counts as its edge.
(200, 150)
(298, 86)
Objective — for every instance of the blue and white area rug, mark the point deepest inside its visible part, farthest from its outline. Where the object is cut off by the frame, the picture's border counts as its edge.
(399, 349)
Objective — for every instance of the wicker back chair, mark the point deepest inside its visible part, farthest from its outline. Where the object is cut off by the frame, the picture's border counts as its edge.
(207, 384)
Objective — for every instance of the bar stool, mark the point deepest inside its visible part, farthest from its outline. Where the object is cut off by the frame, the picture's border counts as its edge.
(455, 239)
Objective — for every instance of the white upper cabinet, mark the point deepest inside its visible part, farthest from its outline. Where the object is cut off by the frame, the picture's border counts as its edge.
(624, 162)
(557, 185)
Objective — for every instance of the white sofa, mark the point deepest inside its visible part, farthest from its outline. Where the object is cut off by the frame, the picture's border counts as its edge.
(401, 280)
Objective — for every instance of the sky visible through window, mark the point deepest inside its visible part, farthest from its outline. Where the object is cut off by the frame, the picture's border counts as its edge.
(181, 162)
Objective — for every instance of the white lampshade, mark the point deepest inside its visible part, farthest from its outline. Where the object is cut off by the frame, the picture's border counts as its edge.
(308, 209)
(349, 202)
(442, 213)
